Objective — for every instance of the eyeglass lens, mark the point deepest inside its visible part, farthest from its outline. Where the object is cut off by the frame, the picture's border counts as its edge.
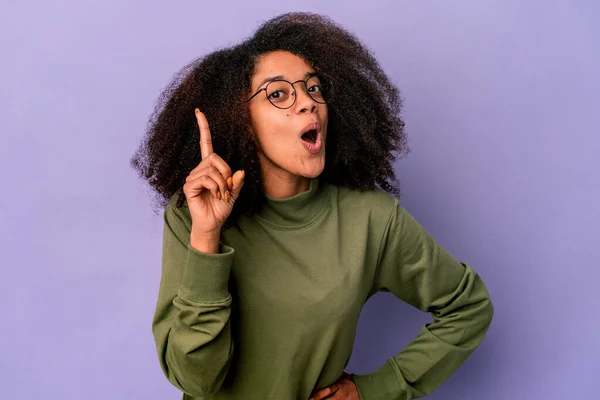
(281, 93)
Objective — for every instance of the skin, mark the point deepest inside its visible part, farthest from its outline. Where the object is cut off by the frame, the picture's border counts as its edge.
(343, 389)
(286, 165)
(211, 190)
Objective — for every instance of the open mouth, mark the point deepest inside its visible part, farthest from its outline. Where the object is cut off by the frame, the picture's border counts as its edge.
(310, 136)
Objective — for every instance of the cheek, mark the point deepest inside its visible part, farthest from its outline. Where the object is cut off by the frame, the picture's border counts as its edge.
(324, 111)
(269, 123)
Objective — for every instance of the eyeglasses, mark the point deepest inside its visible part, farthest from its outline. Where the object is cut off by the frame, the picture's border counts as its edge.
(282, 93)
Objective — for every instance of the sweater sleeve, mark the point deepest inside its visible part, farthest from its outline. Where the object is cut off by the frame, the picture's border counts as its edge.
(191, 324)
(420, 272)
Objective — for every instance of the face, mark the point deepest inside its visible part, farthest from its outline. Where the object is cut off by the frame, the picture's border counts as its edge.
(285, 151)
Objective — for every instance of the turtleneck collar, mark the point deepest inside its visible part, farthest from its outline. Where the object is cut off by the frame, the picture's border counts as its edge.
(296, 211)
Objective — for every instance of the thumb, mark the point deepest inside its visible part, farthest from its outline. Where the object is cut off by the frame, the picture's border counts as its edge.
(237, 183)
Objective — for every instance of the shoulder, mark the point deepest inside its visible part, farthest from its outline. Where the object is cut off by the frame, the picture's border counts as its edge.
(377, 204)
(375, 198)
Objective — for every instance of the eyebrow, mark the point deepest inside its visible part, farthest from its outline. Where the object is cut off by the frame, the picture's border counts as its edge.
(280, 77)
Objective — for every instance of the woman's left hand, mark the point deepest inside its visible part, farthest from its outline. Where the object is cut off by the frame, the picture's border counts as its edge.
(343, 389)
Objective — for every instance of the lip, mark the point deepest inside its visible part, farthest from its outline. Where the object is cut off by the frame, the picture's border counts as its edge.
(315, 125)
(316, 147)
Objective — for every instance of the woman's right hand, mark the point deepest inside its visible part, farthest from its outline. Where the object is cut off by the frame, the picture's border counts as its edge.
(210, 189)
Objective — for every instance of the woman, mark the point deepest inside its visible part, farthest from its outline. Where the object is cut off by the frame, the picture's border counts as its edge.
(280, 223)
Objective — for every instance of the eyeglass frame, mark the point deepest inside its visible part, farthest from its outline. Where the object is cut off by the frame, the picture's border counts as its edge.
(293, 87)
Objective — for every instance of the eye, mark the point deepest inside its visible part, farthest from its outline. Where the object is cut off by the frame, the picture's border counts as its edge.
(315, 89)
(279, 91)
(276, 94)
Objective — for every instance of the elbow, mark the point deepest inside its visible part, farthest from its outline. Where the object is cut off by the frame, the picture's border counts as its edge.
(200, 391)
(478, 315)
(482, 307)
(488, 312)
(482, 318)
(487, 307)
(197, 385)
(196, 376)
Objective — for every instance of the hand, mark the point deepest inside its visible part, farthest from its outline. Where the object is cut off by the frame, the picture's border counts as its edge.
(210, 189)
(343, 389)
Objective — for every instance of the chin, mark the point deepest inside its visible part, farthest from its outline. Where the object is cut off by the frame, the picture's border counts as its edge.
(313, 172)
(312, 175)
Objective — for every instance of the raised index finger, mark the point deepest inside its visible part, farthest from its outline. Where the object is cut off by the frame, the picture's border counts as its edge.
(205, 139)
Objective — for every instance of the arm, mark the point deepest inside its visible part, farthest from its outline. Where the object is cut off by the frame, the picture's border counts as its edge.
(420, 272)
(191, 323)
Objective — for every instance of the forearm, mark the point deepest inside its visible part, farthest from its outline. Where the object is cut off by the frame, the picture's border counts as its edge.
(443, 346)
(191, 324)
(192, 329)
(422, 273)
(438, 350)
(198, 348)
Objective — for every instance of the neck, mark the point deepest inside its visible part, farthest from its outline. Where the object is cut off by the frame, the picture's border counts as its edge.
(283, 185)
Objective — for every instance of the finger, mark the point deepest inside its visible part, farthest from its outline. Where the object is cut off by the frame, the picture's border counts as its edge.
(206, 147)
(237, 182)
(216, 161)
(220, 164)
(195, 186)
(325, 392)
(216, 175)
(339, 395)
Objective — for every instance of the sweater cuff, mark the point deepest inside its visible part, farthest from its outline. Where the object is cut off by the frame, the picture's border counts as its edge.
(383, 384)
(206, 276)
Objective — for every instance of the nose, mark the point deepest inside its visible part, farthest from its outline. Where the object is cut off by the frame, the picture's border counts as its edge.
(304, 102)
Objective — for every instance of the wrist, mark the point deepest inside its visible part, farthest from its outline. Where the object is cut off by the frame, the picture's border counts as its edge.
(205, 243)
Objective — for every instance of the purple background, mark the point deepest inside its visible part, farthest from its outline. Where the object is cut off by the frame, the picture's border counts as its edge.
(503, 113)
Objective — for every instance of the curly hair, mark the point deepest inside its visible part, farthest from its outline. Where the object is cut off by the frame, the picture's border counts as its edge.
(365, 131)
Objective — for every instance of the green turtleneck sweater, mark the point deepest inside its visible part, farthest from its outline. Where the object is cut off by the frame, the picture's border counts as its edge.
(274, 314)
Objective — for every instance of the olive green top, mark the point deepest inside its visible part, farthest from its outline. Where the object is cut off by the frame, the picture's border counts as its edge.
(274, 315)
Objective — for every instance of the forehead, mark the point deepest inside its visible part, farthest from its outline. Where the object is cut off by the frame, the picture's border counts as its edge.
(280, 63)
